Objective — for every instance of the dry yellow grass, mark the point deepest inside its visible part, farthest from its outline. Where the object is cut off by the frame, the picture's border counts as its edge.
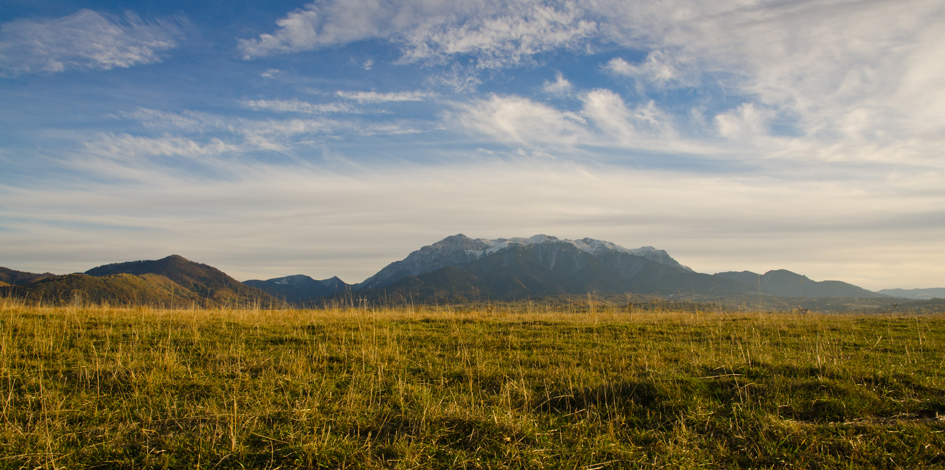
(506, 386)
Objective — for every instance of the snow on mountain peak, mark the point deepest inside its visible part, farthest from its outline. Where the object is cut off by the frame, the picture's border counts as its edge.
(481, 247)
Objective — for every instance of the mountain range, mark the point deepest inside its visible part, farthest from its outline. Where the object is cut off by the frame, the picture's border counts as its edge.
(461, 269)
(169, 282)
(299, 289)
(919, 294)
(457, 269)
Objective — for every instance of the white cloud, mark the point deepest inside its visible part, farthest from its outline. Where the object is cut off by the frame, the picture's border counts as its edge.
(83, 40)
(632, 127)
(518, 120)
(861, 77)
(659, 69)
(746, 121)
(604, 123)
(243, 136)
(856, 78)
(125, 146)
(323, 24)
(297, 106)
(285, 131)
(376, 97)
(186, 121)
(560, 87)
(458, 79)
(504, 36)
(498, 33)
(152, 160)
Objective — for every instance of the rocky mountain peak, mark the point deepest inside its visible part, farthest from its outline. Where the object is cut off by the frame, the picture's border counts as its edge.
(459, 250)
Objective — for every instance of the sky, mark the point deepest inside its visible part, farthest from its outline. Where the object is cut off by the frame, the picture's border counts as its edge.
(334, 137)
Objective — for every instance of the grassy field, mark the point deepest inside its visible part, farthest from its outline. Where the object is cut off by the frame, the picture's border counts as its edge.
(486, 388)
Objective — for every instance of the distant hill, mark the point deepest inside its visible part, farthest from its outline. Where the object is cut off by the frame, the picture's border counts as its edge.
(169, 282)
(299, 289)
(917, 294)
(207, 282)
(115, 289)
(784, 283)
(20, 278)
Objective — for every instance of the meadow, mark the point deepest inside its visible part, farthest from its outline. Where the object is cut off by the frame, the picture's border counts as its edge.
(493, 386)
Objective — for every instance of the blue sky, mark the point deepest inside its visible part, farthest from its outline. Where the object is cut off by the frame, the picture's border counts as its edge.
(334, 137)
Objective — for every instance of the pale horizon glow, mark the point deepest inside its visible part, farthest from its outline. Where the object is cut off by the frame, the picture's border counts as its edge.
(331, 138)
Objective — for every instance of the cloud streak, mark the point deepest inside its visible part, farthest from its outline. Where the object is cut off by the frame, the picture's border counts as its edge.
(297, 106)
(517, 120)
(498, 34)
(83, 40)
(392, 97)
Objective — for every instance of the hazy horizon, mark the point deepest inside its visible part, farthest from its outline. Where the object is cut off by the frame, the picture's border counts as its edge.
(350, 281)
(330, 138)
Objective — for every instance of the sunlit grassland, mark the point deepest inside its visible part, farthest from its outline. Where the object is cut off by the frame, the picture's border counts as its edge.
(477, 388)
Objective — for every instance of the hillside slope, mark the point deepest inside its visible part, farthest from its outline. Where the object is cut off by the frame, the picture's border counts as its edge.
(171, 282)
(20, 278)
(113, 289)
(205, 281)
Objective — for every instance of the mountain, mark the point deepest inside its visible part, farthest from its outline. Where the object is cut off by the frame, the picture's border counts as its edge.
(918, 294)
(460, 250)
(169, 282)
(207, 282)
(20, 278)
(456, 250)
(114, 289)
(299, 289)
(459, 268)
(784, 283)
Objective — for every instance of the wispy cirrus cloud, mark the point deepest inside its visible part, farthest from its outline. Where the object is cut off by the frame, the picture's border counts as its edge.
(847, 75)
(351, 104)
(518, 120)
(180, 121)
(841, 74)
(298, 106)
(659, 69)
(497, 33)
(604, 121)
(125, 146)
(84, 40)
(191, 133)
(632, 127)
(746, 121)
(378, 97)
(560, 87)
